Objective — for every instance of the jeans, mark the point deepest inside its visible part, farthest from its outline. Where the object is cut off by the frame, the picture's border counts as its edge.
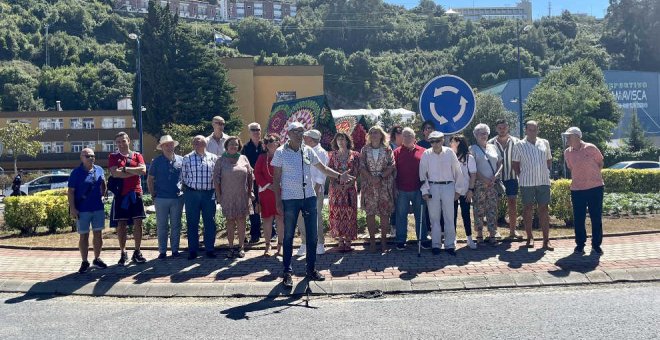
(403, 201)
(465, 214)
(196, 201)
(319, 219)
(291, 210)
(168, 210)
(592, 198)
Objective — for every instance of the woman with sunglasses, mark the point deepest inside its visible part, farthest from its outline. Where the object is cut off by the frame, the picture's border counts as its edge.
(263, 173)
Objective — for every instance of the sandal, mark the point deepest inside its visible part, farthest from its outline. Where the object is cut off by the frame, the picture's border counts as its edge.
(240, 253)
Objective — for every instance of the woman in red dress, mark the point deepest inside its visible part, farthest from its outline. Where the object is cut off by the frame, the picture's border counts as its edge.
(343, 196)
(263, 173)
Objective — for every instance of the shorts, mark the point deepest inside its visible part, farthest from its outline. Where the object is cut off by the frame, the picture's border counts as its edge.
(94, 218)
(511, 187)
(539, 194)
(132, 209)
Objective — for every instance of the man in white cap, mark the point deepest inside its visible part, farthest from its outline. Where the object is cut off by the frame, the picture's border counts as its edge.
(312, 139)
(585, 162)
(294, 194)
(442, 183)
(252, 149)
(164, 183)
(215, 143)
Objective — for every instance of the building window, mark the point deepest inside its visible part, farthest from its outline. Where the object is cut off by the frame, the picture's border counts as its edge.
(76, 146)
(88, 123)
(51, 123)
(258, 12)
(136, 144)
(281, 96)
(108, 145)
(52, 147)
(76, 123)
(113, 123)
(24, 121)
(45, 147)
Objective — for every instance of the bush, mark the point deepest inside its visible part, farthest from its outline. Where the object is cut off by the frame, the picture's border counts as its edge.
(631, 180)
(57, 214)
(615, 155)
(24, 213)
(52, 192)
(561, 206)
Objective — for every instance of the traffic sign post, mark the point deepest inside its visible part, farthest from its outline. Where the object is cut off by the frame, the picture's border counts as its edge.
(449, 102)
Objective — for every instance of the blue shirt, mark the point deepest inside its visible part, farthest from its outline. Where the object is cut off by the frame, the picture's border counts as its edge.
(167, 176)
(87, 188)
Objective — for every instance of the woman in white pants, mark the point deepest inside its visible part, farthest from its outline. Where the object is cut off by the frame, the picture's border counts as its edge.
(440, 173)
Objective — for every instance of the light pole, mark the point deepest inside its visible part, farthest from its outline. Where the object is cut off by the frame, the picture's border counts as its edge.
(520, 105)
(138, 74)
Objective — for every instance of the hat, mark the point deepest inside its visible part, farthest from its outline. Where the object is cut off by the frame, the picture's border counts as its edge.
(572, 131)
(254, 125)
(313, 134)
(436, 135)
(166, 139)
(294, 125)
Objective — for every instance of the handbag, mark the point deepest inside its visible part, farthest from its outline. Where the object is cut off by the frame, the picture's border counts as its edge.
(498, 185)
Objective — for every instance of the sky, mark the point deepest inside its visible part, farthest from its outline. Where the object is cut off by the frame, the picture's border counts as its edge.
(596, 8)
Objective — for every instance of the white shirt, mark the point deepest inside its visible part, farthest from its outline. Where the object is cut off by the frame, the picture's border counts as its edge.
(505, 152)
(296, 170)
(442, 167)
(467, 168)
(533, 160)
(317, 175)
(216, 147)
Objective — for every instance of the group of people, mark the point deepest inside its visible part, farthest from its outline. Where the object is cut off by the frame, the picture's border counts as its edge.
(279, 186)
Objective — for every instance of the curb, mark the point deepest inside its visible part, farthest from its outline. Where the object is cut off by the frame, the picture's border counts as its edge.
(328, 288)
(261, 247)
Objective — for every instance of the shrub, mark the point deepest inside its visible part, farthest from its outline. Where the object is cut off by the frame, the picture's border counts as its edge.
(615, 155)
(24, 213)
(561, 206)
(52, 192)
(631, 180)
(57, 213)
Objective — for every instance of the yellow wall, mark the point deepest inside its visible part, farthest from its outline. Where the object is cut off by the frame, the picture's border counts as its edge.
(256, 87)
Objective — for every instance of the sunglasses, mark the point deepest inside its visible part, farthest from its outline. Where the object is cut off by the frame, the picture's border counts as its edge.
(435, 141)
(255, 130)
(90, 156)
(218, 123)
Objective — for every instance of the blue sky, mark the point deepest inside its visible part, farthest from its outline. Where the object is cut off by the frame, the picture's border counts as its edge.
(596, 8)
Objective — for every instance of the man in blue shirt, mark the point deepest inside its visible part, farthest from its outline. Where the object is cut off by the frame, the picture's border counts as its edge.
(86, 190)
(164, 184)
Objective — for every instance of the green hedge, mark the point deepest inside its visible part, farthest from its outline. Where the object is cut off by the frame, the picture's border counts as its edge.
(616, 155)
(27, 213)
(631, 180)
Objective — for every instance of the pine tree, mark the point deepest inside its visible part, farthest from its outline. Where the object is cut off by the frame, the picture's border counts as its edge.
(636, 139)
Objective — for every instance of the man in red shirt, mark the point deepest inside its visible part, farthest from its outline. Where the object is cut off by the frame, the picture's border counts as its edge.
(128, 166)
(407, 158)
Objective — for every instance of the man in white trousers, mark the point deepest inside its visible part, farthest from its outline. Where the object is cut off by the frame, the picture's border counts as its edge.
(442, 182)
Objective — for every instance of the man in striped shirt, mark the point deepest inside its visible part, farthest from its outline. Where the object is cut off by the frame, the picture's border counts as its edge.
(197, 179)
(531, 161)
(504, 143)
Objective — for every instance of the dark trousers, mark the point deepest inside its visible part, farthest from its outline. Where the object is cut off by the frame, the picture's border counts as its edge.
(593, 199)
(465, 214)
(197, 201)
(292, 208)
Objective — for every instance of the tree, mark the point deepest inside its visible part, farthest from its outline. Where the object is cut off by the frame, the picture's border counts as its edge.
(256, 35)
(637, 141)
(489, 109)
(576, 95)
(18, 139)
(183, 134)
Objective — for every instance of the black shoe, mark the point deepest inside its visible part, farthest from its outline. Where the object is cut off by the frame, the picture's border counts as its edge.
(162, 256)
(287, 280)
(137, 257)
(192, 255)
(253, 240)
(436, 251)
(83, 267)
(98, 263)
(230, 253)
(578, 250)
(315, 276)
(176, 254)
(123, 258)
(401, 246)
(596, 249)
(211, 255)
(451, 251)
(426, 244)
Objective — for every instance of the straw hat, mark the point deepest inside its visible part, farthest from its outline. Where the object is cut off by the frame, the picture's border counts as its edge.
(166, 139)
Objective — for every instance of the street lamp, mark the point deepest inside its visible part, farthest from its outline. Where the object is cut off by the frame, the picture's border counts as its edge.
(138, 74)
(520, 110)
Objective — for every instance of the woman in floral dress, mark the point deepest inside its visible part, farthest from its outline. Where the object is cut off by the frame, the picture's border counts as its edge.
(377, 178)
(343, 195)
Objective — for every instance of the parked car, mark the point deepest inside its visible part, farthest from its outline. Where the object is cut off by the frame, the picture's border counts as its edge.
(636, 165)
(42, 183)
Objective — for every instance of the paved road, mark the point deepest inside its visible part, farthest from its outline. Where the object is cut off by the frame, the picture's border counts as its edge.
(615, 311)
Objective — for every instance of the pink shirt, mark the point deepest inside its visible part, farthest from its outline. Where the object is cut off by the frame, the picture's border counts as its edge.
(584, 166)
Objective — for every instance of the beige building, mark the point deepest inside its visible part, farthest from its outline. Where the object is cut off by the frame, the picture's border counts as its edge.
(258, 87)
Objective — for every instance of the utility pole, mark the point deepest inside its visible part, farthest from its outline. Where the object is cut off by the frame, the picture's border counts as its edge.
(47, 56)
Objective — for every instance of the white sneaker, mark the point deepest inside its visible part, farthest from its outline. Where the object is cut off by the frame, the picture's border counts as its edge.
(320, 249)
(471, 243)
(302, 250)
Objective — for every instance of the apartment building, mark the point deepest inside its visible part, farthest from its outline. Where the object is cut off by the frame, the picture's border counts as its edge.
(267, 9)
(522, 11)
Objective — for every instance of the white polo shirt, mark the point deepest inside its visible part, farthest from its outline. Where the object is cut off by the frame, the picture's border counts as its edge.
(533, 162)
(216, 147)
(296, 170)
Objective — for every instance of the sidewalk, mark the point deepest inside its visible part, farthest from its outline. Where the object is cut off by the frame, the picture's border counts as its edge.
(626, 258)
